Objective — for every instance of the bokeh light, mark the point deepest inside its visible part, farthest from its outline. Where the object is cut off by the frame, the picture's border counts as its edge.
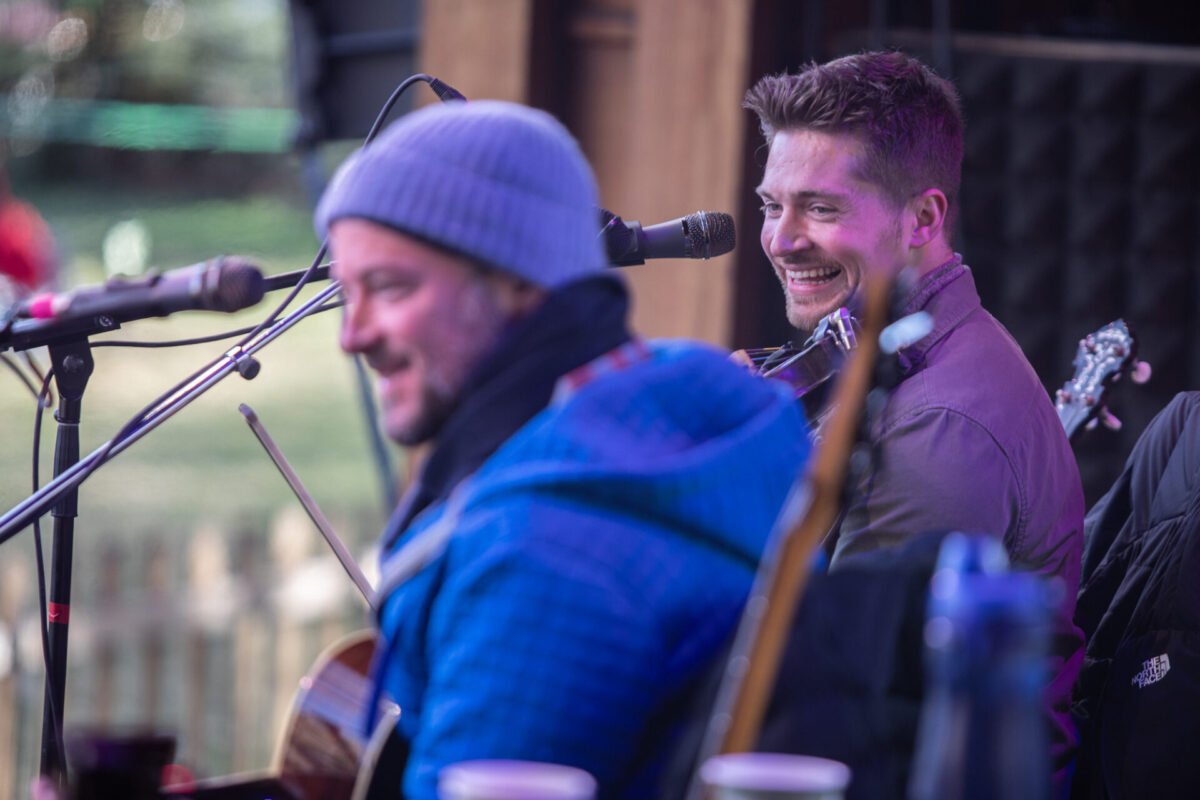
(126, 248)
(164, 20)
(26, 106)
(67, 39)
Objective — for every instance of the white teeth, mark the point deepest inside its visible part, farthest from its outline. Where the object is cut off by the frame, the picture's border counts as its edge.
(812, 274)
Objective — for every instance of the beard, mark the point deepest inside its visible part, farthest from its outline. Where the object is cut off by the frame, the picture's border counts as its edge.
(885, 257)
(475, 330)
(437, 406)
(805, 317)
(805, 311)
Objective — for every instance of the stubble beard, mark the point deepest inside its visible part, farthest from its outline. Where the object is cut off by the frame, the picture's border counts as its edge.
(805, 317)
(436, 407)
(474, 333)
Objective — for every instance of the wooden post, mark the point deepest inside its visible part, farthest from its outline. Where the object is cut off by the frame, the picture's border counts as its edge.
(154, 646)
(292, 540)
(691, 62)
(13, 583)
(107, 654)
(480, 47)
(252, 732)
(210, 607)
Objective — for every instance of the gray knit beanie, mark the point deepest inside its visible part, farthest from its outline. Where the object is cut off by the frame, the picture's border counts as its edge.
(501, 183)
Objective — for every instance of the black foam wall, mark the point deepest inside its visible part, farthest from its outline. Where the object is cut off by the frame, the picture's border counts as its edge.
(1080, 205)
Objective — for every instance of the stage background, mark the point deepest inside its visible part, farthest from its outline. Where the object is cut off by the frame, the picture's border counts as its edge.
(158, 134)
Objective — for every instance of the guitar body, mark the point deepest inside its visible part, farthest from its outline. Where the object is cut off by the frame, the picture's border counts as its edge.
(320, 744)
(321, 753)
(381, 771)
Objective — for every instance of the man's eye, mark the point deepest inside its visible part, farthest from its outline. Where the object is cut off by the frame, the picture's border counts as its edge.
(770, 209)
(822, 210)
(390, 290)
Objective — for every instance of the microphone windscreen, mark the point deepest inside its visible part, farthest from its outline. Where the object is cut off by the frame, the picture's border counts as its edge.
(709, 233)
(239, 285)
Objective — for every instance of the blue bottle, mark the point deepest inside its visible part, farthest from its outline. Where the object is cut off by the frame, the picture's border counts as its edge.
(983, 731)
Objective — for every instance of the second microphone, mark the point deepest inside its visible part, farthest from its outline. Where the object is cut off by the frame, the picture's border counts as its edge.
(705, 234)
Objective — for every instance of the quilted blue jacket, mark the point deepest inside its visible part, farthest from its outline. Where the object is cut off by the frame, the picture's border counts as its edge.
(558, 605)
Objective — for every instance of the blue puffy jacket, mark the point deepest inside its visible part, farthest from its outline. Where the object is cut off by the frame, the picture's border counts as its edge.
(560, 604)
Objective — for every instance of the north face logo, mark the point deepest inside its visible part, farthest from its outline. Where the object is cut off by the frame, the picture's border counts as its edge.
(1153, 671)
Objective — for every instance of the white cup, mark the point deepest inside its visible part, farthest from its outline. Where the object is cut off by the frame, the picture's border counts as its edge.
(775, 776)
(499, 779)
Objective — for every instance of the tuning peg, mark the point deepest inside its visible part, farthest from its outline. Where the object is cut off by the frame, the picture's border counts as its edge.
(1141, 372)
(1105, 417)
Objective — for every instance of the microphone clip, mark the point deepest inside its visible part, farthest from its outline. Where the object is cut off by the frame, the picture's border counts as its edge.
(620, 240)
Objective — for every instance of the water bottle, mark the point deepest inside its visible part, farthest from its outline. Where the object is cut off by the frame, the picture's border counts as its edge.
(983, 731)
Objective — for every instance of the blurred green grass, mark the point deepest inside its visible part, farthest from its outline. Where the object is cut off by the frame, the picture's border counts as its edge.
(203, 466)
(201, 472)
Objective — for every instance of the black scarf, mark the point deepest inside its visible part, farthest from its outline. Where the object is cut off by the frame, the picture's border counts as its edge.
(576, 324)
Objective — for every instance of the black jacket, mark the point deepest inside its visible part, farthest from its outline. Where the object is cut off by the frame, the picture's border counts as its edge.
(1137, 696)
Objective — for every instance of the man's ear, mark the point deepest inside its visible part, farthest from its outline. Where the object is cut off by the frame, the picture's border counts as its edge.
(516, 296)
(929, 210)
(527, 297)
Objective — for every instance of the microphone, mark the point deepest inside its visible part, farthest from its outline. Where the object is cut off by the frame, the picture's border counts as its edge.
(701, 235)
(224, 283)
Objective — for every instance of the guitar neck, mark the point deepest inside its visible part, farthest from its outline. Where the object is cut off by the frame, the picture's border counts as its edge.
(1102, 358)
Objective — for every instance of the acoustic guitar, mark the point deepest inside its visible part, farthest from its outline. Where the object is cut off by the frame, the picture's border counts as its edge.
(321, 753)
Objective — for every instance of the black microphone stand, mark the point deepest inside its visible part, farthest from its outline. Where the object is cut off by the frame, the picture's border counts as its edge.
(73, 365)
(71, 356)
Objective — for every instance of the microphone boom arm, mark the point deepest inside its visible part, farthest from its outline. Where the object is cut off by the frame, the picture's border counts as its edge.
(38, 503)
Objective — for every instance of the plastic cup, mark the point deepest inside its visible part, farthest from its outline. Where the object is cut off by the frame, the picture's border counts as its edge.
(775, 776)
(499, 779)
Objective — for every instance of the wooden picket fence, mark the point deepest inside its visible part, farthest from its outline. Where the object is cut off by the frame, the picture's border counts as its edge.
(202, 635)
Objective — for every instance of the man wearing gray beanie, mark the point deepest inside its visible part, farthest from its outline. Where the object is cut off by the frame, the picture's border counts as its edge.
(576, 546)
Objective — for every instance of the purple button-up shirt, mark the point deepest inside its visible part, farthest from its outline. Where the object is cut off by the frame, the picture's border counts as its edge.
(969, 441)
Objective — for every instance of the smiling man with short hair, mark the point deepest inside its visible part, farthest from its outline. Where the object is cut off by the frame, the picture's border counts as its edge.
(862, 179)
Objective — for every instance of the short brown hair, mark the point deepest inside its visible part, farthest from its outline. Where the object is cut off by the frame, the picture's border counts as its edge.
(907, 117)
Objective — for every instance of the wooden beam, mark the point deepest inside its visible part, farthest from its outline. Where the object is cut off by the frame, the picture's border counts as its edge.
(480, 47)
(691, 62)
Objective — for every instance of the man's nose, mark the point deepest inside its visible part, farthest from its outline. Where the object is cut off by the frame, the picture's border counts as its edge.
(357, 331)
(789, 234)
